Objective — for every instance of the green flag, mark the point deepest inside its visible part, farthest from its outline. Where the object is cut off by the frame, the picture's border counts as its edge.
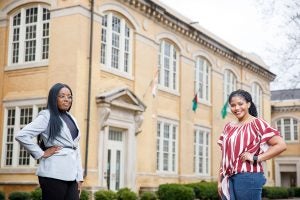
(195, 103)
(224, 110)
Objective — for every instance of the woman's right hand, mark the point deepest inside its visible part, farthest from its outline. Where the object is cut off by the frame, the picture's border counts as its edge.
(220, 189)
(50, 151)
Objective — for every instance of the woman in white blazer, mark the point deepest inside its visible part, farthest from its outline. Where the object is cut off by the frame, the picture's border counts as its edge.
(60, 170)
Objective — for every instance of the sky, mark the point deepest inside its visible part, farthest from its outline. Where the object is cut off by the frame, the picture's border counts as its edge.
(239, 23)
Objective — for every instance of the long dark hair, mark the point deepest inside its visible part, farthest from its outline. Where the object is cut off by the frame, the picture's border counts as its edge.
(247, 96)
(55, 122)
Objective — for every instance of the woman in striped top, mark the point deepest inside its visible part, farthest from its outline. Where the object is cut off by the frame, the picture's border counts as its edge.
(245, 143)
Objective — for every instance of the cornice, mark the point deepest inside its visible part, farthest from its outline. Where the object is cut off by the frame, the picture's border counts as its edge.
(294, 108)
(159, 14)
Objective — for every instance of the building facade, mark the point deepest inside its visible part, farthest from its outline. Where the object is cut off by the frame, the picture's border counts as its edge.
(134, 67)
(286, 118)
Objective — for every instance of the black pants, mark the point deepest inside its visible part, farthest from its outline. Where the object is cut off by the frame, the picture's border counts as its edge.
(54, 189)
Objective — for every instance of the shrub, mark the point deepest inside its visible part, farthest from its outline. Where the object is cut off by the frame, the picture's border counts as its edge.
(148, 196)
(36, 194)
(84, 195)
(2, 195)
(175, 192)
(275, 192)
(19, 196)
(126, 194)
(105, 195)
(291, 192)
(205, 190)
(297, 191)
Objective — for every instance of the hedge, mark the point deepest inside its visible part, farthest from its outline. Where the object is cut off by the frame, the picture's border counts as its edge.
(19, 196)
(175, 192)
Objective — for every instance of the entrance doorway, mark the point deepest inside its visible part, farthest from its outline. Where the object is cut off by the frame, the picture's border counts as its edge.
(115, 159)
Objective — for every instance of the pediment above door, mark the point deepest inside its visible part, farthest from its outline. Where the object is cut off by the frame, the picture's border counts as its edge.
(120, 98)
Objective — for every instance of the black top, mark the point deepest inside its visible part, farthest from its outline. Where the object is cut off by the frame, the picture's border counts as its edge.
(71, 124)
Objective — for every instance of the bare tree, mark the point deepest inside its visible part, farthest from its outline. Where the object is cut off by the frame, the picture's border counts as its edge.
(286, 57)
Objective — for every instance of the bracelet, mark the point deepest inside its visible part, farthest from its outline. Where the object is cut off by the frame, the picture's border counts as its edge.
(255, 158)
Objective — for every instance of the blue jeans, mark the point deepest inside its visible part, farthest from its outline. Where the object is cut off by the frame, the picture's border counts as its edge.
(246, 186)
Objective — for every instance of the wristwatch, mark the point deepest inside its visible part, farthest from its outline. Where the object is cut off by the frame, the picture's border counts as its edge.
(255, 158)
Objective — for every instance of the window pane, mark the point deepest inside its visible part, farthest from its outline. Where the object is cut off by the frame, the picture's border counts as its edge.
(167, 155)
(25, 118)
(29, 22)
(295, 129)
(287, 129)
(31, 15)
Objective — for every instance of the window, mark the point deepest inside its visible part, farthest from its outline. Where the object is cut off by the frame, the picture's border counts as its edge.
(168, 66)
(15, 119)
(116, 48)
(229, 83)
(166, 146)
(202, 79)
(29, 35)
(257, 97)
(288, 128)
(201, 151)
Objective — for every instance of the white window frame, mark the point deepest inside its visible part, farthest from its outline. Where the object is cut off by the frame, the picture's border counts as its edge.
(257, 97)
(205, 146)
(172, 151)
(203, 77)
(18, 105)
(293, 133)
(230, 82)
(173, 82)
(38, 61)
(106, 61)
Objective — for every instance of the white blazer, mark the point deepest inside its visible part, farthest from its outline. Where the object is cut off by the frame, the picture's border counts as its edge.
(66, 164)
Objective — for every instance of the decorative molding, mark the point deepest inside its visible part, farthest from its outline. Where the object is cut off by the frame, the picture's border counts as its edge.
(121, 98)
(147, 40)
(72, 10)
(187, 60)
(138, 119)
(159, 14)
(23, 102)
(16, 3)
(294, 108)
(146, 24)
(122, 10)
(170, 36)
(19, 183)
(104, 114)
(204, 54)
(3, 22)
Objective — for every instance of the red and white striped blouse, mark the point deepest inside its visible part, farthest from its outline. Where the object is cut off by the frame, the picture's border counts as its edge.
(249, 137)
(238, 138)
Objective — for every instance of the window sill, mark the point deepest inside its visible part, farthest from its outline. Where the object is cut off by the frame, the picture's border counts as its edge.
(291, 141)
(25, 170)
(164, 89)
(167, 174)
(202, 101)
(117, 72)
(26, 66)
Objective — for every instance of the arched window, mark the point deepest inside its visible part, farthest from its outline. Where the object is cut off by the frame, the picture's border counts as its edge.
(229, 83)
(288, 128)
(202, 78)
(168, 66)
(116, 43)
(257, 97)
(29, 35)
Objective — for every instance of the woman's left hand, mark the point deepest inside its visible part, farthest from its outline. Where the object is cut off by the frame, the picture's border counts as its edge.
(246, 156)
(79, 183)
